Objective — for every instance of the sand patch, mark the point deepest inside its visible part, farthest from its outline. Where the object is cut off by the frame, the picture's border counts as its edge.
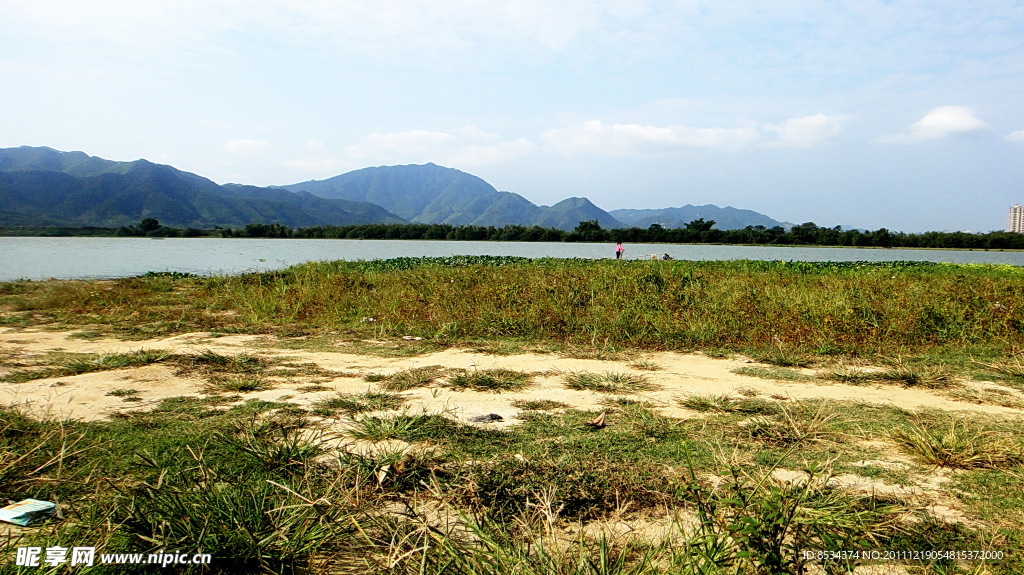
(85, 396)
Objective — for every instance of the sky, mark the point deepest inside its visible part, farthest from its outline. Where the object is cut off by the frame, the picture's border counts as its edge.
(903, 114)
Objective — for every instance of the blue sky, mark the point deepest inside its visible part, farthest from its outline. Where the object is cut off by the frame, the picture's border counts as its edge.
(902, 114)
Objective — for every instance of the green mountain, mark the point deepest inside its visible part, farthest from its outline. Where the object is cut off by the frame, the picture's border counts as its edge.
(45, 187)
(432, 194)
(727, 218)
(41, 186)
(420, 194)
(568, 213)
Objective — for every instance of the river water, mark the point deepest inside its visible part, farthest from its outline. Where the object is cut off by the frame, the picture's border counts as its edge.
(37, 258)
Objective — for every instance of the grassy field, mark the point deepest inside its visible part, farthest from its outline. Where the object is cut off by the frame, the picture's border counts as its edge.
(748, 484)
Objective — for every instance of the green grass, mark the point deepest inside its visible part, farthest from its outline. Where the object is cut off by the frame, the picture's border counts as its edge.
(127, 394)
(729, 404)
(793, 423)
(276, 498)
(719, 403)
(785, 313)
(493, 380)
(211, 361)
(77, 364)
(899, 371)
(539, 404)
(607, 382)
(405, 427)
(354, 404)
(777, 373)
(410, 378)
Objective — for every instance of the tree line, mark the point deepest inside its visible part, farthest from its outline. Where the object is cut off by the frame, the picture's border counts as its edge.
(697, 231)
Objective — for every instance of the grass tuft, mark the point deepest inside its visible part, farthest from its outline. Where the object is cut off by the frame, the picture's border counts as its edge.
(704, 403)
(927, 376)
(608, 382)
(494, 380)
(127, 394)
(777, 373)
(240, 383)
(78, 364)
(413, 378)
(352, 404)
(800, 422)
(539, 404)
(958, 443)
(209, 360)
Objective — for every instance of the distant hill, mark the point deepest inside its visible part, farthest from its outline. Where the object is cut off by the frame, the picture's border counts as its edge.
(431, 194)
(45, 187)
(727, 218)
(41, 186)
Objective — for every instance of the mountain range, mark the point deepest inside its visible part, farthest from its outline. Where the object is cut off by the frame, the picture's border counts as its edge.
(41, 186)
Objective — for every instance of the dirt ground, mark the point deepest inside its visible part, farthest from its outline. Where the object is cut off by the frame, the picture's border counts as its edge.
(86, 396)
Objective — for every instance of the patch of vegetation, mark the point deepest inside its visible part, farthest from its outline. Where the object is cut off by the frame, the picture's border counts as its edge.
(493, 380)
(928, 376)
(77, 364)
(1011, 367)
(412, 378)
(959, 443)
(791, 424)
(354, 404)
(405, 427)
(539, 404)
(608, 382)
(127, 394)
(780, 312)
(209, 361)
(729, 404)
(238, 383)
(714, 403)
(777, 373)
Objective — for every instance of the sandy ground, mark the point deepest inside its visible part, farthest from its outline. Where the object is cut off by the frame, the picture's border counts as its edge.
(86, 396)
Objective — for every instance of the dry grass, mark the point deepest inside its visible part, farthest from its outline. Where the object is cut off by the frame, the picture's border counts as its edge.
(958, 443)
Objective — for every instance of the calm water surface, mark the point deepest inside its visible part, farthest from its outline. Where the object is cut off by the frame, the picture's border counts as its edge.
(69, 258)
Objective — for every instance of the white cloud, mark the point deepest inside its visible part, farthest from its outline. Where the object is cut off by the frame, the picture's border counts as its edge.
(1016, 137)
(806, 131)
(939, 123)
(597, 137)
(245, 145)
(636, 140)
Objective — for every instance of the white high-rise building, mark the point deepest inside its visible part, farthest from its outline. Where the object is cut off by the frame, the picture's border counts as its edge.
(1016, 221)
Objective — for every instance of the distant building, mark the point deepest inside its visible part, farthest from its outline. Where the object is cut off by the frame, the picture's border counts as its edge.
(1016, 221)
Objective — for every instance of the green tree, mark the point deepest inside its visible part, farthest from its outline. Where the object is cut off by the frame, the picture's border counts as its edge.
(148, 225)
